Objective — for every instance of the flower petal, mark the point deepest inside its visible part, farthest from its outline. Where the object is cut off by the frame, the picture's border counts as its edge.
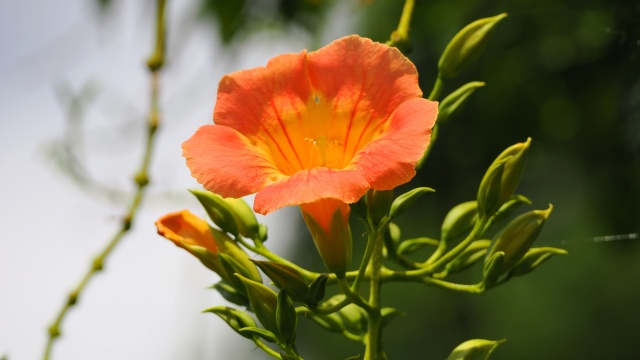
(365, 81)
(225, 162)
(266, 105)
(390, 160)
(309, 186)
(186, 229)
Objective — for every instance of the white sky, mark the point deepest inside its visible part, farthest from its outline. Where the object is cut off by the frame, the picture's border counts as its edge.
(147, 303)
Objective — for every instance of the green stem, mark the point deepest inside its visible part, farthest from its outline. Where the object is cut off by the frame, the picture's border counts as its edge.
(400, 36)
(264, 251)
(373, 349)
(267, 349)
(141, 179)
(437, 89)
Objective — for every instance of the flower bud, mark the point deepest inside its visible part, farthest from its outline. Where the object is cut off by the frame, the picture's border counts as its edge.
(286, 318)
(455, 100)
(218, 210)
(513, 169)
(459, 220)
(467, 46)
(328, 223)
(287, 278)
(493, 268)
(476, 349)
(264, 303)
(489, 190)
(402, 202)
(379, 202)
(518, 236)
(245, 218)
(193, 234)
(502, 178)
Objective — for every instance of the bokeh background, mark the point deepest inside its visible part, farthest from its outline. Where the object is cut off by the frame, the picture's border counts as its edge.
(73, 99)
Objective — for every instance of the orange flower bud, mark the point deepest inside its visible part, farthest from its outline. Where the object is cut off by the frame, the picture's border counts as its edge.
(328, 223)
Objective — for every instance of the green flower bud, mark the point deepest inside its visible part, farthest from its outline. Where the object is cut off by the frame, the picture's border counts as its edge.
(264, 303)
(412, 245)
(229, 247)
(459, 220)
(489, 190)
(513, 169)
(287, 278)
(455, 100)
(476, 349)
(235, 318)
(317, 289)
(245, 218)
(218, 210)
(467, 46)
(404, 201)
(518, 236)
(534, 258)
(378, 202)
(286, 318)
(502, 178)
(328, 223)
(493, 268)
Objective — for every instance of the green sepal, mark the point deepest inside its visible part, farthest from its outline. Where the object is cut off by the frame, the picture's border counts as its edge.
(402, 202)
(534, 258)
(218, 210)
(317, 289)
(231, 294)
(412, 245)
(517, 237)
(489, 190)
(264, 302)
(459, 220)
(378, 203)
(286, 318)
(493, 268)
(235, 318)
(455, 100)
(250, 332)
(476, 349)
(472, 254)
(388, 314)
(286, 278)
(466, 46)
